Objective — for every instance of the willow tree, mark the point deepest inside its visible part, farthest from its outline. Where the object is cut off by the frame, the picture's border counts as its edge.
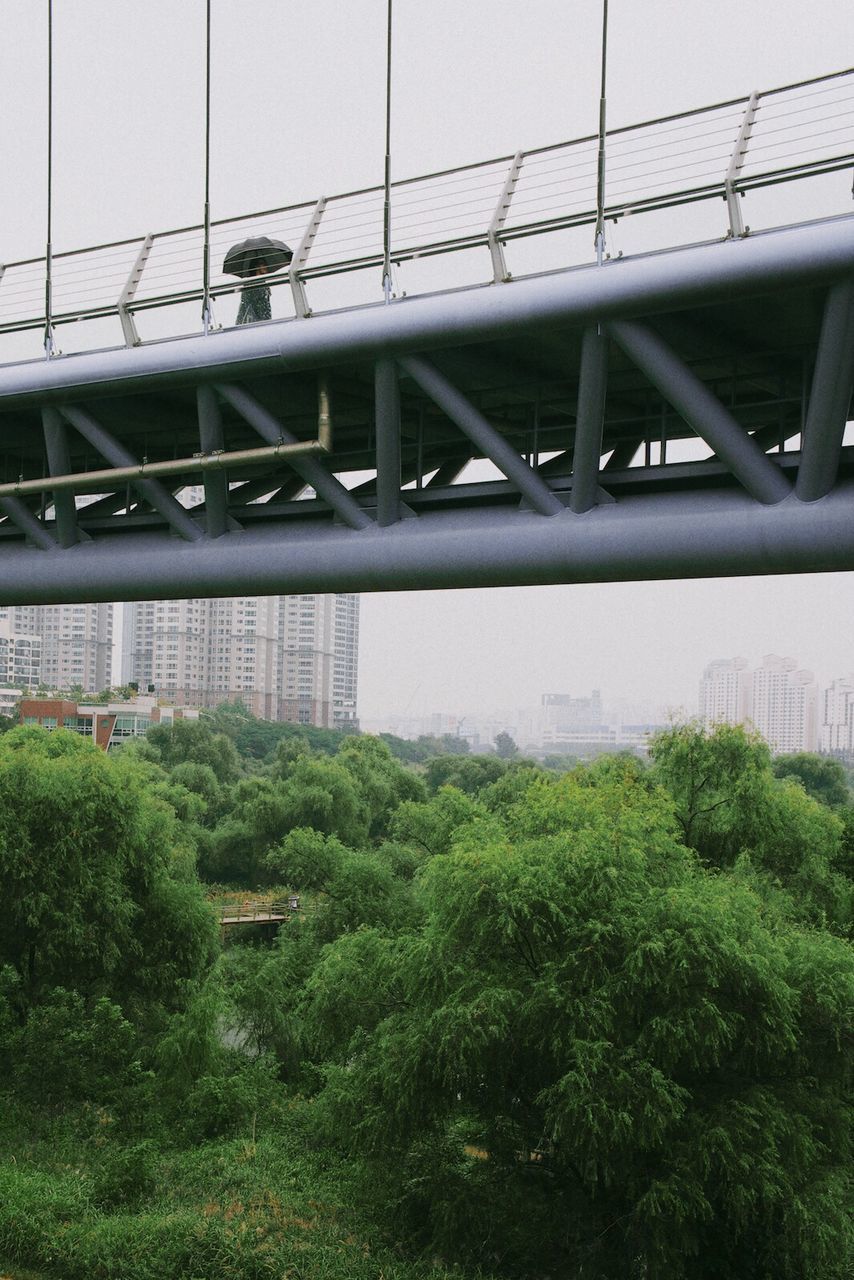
(594, 1057)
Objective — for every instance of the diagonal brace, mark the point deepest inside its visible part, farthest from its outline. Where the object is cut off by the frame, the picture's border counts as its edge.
(118, 456)
(692, 399)
(830, 396)
(325, 485)
(19, 513)
(482, 434)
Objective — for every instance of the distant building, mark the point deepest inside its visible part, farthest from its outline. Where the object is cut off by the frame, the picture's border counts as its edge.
(307, 659)
(784, 705)
(76, 641)
(285, 657)
(107, 725)
(639, 736)
(725, 692)
(776, 698)
(20, 658)
(569, 722)
(836, 734)
(9, 699)
(345, 666)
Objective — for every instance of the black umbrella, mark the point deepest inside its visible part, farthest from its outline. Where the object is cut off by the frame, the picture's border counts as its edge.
(258, 251)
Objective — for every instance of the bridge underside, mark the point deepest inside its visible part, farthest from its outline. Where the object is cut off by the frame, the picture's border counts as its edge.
(676, 415)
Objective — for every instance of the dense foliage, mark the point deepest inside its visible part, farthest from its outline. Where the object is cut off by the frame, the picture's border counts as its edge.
(523, 1023)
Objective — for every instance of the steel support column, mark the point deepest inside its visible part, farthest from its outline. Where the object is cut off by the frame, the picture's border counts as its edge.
(485, 438)
(589, 419)
(211, 439)
(830, 397)
(118, 456)
(59, 463)
(387, 430)
(681, 387)
(325, 485)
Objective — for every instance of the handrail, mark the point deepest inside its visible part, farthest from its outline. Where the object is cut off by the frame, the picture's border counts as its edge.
(722, 151)
(263, 912)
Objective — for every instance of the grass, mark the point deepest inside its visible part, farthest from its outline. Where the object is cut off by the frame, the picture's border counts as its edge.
(226, 1209)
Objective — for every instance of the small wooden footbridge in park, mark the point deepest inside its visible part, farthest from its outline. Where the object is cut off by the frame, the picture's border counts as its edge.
(268, 915)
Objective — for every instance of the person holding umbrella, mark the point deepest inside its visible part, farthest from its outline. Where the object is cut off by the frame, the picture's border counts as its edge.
(255, 302)
(257, 256)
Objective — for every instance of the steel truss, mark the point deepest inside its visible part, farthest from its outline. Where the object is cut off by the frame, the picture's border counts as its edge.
(333, 454)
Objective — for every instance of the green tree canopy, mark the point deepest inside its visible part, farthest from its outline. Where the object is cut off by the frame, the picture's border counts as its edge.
(194, 741)
(382, 782)
(468, 773)
(90, 902)
(505, 747)
(595, 1055)
(820, 776)
(730, 804)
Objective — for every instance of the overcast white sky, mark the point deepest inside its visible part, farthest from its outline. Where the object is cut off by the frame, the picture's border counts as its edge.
(299, 111)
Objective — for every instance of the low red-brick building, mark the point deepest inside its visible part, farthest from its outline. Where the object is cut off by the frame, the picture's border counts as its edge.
(108, 725)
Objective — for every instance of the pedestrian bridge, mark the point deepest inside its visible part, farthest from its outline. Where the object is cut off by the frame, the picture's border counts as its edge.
(516, 412)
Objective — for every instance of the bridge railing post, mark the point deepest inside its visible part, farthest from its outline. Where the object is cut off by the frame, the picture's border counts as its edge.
(128, 294)
(301, 257)
(737, 228)
(499, 217)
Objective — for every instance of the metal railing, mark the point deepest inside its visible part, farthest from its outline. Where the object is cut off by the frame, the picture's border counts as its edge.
(721, 152)
(260, 912)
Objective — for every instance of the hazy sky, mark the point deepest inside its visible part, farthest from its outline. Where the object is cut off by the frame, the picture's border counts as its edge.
(298, 111)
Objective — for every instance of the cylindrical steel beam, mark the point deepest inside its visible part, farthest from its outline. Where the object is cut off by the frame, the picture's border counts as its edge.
(766, 262)
(589, 419)
(484, 436)
(678, 535)
(830, 396)
(116, 454)
(325, 485)
(387, 430)
(211, 440)
(691, 398)
(59, 462)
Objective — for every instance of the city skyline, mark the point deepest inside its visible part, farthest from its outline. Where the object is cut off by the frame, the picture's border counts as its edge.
(656, 635)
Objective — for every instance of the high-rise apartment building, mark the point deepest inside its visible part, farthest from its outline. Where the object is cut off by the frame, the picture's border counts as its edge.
(76, 642)
(725, 692)
(776, 698)
(836, 735)
(307, 647)
(286, 657)
(345, 666)
(784, 705)
(20, 658)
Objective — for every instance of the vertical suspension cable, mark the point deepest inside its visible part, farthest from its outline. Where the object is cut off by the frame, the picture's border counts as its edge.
(600, 165)
(206, 264)
(387, 183)
(48, 257)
